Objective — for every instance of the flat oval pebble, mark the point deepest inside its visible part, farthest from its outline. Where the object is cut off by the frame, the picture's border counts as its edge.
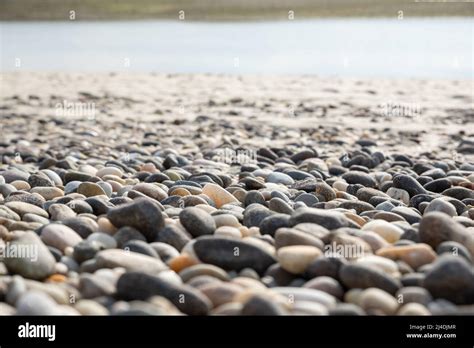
(415, 255)
(129, 260)
(296, 258)
(59, 236)
(386, 230)
(37, 261)
(141, 286)
(218, 195)
(197, 222)
(90, 189)
(232, 254)
(358, 276)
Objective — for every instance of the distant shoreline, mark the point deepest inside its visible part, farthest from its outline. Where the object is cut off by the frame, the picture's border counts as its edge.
(232, 10)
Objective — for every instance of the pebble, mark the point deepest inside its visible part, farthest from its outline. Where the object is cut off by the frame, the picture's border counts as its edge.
(90, 189)
(357, 177)
(326, 284)
(415, 255)
(142, 214)
(109, 171)
(82, 225)
(328, 265)
(408, 184)
(374, 300)
(441, 205)
(90, 307)
(438, 185)
(174, 236)
(141, 286)
(308, 199)
(298, 294)
(399, 194)
(414, 294)
(296, 258)
(36, 303)
(59, 236)
(408, 214)
(93, 286)
(386, 230)
(48, 193)
(278, 205)
(272, 223)
(60, 212)
(228, 232)
(23, 208)
(232, 254)
(39, 265)
(437, 227)
(220, 293)
(261, 305)
(451, 278)
(226, 220)
(203, 269)
(16, 288)
(384, 264)
(324, 193)
(290, 236)
(414, 309)
(104, 240)
(129, 260)
(151, 190)
(454, 248)
(363, 277)
(328, 219)
(197, 221)
(218, 195)
(280, 178)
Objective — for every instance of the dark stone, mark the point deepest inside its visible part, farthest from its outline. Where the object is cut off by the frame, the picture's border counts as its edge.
(174, 236)
(328, 219)
(272, 223)
(261, 305)
(197, 221)
(232, 254)
(142, 214)
(363, 277)
(141, 286)
(451, 278)
(358, 177)
(409, 184)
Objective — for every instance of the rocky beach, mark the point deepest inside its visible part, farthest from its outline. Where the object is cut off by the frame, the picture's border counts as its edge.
(155, 194)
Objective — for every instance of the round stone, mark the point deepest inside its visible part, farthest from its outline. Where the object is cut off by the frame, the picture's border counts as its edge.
(90, 189)
(441, 205)
(142, 214)
(386, 230)
(376, 300)
(197, 221)
(451, 278)
(37, 263)
(415, 255)
(436, 227)
(296, 258)
(59, 236)
(280, 178)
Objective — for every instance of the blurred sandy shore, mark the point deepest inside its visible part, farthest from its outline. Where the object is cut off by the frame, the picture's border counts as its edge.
(229, 10)
(413, 116)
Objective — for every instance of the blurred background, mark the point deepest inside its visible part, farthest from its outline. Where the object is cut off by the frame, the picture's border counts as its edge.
(346, 38)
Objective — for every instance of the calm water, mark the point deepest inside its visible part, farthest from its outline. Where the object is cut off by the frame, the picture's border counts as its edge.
(357, 47)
